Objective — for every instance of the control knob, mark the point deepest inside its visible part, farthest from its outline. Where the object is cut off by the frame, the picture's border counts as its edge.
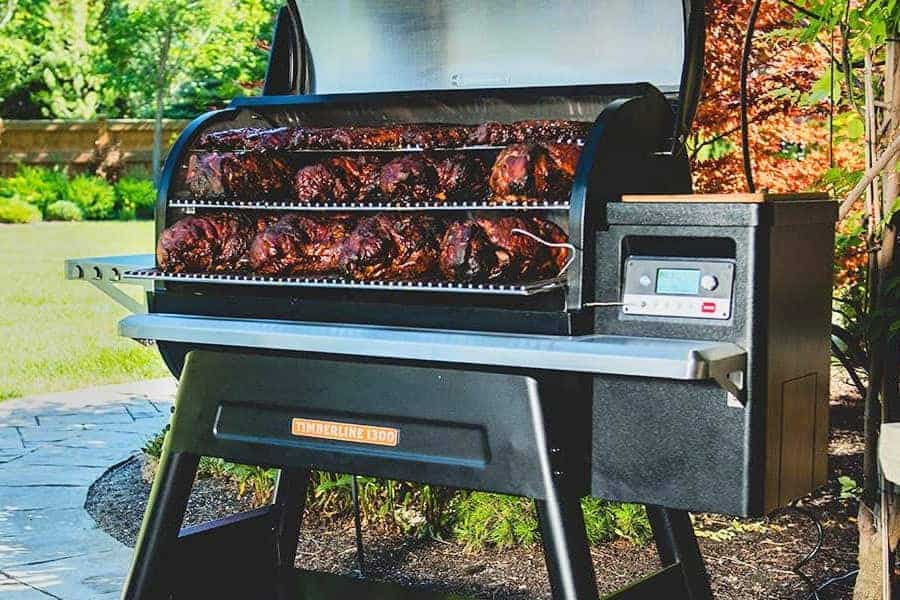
(709, 282)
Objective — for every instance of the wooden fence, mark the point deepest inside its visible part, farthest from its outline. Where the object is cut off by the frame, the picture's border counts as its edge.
(71, 143)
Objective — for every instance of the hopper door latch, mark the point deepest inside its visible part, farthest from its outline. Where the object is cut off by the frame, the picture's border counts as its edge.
(729, 371)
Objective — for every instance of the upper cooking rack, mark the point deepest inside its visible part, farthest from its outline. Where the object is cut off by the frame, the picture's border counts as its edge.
(191, 204)
(527, 289)
(399, 149)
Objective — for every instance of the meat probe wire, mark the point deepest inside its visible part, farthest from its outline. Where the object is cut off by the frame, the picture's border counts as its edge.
(551, 245)
(562, 271)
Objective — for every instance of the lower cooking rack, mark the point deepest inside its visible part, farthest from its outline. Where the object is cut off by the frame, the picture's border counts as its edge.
(525, 289)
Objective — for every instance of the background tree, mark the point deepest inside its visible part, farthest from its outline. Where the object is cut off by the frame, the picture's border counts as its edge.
(69, 54)
(197, 52)
(808, 52)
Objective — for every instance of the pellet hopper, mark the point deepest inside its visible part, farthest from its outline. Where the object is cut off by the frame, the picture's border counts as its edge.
(454, 243)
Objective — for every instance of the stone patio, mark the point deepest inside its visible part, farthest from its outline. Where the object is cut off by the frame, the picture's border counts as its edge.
(52, 447)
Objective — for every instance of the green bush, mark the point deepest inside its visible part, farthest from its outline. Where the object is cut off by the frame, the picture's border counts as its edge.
(95, 196)
(16, 210)
(63, 210)
(135, 197)
(503, 521)
(35, 185)
(493, 520)
(421, 510)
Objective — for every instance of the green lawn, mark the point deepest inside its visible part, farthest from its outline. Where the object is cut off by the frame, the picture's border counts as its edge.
(57, 334)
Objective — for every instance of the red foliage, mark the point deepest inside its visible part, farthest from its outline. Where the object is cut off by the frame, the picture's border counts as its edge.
(789, 142)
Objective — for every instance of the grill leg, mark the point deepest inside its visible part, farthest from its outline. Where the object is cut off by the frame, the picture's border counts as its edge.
(162, 522)
(289, 504)
(676, 544)
(566, 548)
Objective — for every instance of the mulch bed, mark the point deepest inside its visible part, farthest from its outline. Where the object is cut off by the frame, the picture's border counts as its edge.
(747, 559)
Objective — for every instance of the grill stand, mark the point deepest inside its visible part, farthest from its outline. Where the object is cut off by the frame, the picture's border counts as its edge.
(239, 407)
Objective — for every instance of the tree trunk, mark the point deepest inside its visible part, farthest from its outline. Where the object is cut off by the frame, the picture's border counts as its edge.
(162, 90)
(882, 404)
(157, 136)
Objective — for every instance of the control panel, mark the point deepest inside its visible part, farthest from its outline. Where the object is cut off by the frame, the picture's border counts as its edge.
(678, 287)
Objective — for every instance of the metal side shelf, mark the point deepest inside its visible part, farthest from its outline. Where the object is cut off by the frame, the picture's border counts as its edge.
(600, 354)
(107, 272)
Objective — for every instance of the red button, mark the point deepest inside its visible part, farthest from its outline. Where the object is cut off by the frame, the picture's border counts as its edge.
(708, 307)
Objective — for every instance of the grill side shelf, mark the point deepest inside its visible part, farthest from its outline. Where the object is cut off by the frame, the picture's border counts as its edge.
(691, 360)
(530, 289)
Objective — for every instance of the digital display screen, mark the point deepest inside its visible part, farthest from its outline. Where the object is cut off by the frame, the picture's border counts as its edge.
(678, 281)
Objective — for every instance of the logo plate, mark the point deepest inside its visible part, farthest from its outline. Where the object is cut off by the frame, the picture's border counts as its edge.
(345, 432)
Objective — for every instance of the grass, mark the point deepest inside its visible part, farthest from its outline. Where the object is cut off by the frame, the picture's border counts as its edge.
(57, 334)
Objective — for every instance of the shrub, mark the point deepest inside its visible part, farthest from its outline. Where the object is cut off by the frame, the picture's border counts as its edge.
(35, 185)
(95, 197)
(421, 510)
(494, 520)
(502, 521)
(135, 198)
(16, 210)
(63, 210)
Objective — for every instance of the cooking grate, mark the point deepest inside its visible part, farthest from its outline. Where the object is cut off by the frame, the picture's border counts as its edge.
(368, 206)
(527, 289)
(401, 149)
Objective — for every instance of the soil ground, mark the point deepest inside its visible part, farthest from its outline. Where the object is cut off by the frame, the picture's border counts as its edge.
(747, 558)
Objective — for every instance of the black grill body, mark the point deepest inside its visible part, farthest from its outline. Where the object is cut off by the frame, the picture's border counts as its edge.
(737, 425)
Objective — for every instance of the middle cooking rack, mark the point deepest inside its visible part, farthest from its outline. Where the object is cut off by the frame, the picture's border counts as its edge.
(516, 289)
(189, 204)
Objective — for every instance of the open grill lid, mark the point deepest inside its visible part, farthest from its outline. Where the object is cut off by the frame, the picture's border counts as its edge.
(412, 45)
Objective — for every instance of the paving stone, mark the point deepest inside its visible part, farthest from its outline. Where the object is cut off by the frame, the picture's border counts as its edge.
(10, 439)
(87, 576)
(87, 416)
(143, 410)
(99, 456)
(11, 455)
(47, 435)
(49, 546)
(60, 475)
(32, 537)
(14, 590)
(41, 497)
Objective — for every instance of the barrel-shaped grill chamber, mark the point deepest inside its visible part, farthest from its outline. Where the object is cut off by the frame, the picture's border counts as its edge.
(624, 146)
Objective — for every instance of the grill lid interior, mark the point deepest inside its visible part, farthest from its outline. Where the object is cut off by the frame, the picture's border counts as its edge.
(414, 45)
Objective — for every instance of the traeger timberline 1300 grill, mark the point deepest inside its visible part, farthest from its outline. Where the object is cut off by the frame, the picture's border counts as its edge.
(673, 354)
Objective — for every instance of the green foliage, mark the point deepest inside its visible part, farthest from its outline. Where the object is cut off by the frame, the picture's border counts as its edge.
(21, 46)
(712, 149)
(502, 521)
(498, 521)
(259, 482)
(849, 488)
(16, 210)
(36, 185)
(63, 210)
(72, 47)
(135, 197)
(153, 447)
(78, 58)
(420, 510)
(195, 52)
(95, 196)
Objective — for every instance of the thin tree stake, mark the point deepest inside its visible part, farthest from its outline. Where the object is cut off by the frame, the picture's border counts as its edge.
(889, 154)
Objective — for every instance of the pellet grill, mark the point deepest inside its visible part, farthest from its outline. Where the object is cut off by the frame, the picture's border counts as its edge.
(679, 360)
